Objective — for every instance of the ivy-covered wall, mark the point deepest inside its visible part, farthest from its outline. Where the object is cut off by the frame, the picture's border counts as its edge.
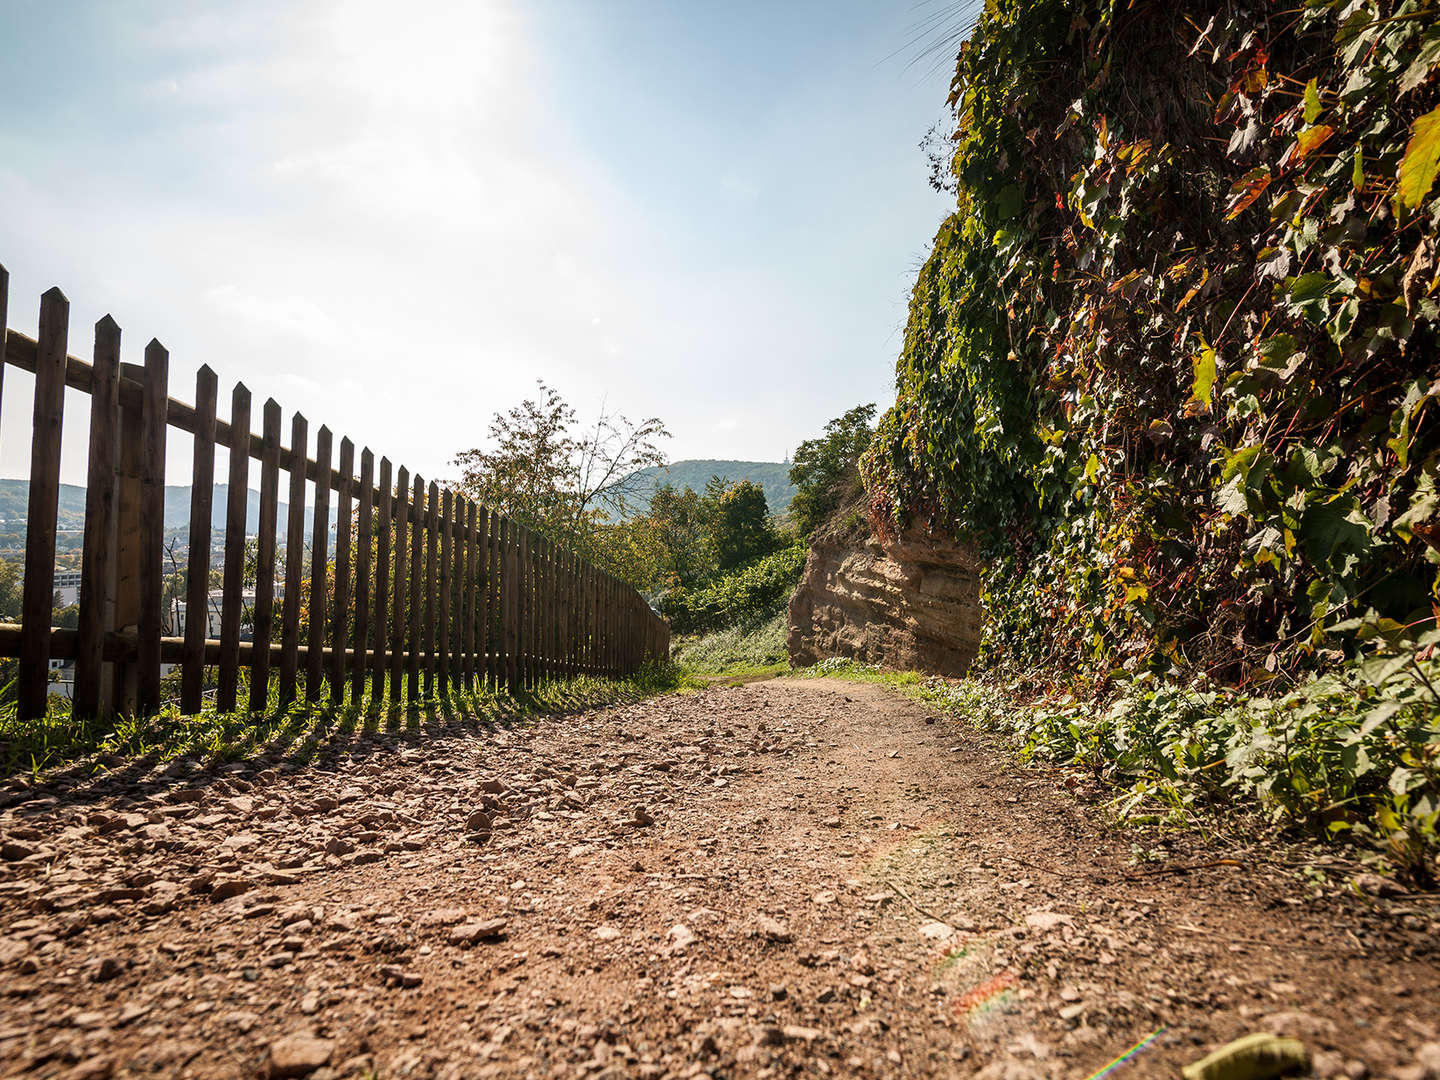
(1172, 362)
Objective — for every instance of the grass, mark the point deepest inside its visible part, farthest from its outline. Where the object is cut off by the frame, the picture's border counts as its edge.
(297, 732)
(753, 650)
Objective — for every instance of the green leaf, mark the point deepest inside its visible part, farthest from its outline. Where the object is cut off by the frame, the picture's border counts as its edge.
(1422, 159)
(1313, 108)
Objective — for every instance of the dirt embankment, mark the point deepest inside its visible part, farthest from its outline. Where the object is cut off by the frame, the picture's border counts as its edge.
(910, 602)
(793, 878)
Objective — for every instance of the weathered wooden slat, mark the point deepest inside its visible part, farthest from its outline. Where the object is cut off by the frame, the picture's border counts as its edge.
(263, 619)
(417, 570)
(294, 561)
(363, 534)
(319, 566)
(197, 574)
(340, 616)
(97, 550)
(151, 622)
(4, 323)
(382, 586)
(443, 598)
(402, 555)
(38, 592)
(474, 531)
(432, 538)
(232, 599)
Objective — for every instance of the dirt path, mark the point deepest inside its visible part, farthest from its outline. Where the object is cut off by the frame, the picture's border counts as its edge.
(781, 879)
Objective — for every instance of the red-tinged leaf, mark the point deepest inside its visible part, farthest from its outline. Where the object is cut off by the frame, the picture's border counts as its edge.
(1246, 190)
(1311, 139)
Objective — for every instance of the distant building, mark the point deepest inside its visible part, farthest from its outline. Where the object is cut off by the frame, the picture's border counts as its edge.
(67, 584)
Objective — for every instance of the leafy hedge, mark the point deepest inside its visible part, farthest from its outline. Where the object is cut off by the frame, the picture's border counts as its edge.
(1172, 363)
(752, 592)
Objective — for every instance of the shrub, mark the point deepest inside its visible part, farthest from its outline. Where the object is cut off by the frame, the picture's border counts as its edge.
(752, 592)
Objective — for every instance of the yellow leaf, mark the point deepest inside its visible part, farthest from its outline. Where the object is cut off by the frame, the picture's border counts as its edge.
(1422, 159)
(1310, 139)
(1205, 375)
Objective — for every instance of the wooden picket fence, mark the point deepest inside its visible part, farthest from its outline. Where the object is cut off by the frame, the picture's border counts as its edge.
(449, 595)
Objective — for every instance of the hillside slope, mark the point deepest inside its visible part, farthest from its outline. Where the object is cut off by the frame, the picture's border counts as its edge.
(773, 477)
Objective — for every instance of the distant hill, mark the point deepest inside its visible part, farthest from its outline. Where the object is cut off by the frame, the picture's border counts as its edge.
(15, 504)
(772, 476)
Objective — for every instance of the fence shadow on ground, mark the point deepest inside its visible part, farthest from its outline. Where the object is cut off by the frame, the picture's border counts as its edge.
(79, 763)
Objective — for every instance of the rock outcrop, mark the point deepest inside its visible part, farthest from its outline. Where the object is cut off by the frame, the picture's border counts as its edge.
(910, 601)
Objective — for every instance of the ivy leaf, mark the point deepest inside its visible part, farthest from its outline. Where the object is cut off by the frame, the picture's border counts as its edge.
(1205, 374)
(1313, 108)
(1422, 159)
(1312, 138)
(1246, 190)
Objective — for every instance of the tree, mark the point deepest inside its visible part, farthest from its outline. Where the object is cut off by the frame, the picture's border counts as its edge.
(826, 468)
(547, 473)
(741, 527)
(676, 521)
(11, 591)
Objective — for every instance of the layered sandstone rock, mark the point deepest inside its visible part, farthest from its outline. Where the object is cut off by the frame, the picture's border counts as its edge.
(907, 602)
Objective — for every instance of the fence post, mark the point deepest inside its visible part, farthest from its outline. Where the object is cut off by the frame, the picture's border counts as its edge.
(232, 602)
(96, 566)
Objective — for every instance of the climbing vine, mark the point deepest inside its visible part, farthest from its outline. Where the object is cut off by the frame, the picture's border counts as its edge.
(1172, 362)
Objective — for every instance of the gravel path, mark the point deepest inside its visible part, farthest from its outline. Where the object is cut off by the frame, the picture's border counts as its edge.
(789, 878)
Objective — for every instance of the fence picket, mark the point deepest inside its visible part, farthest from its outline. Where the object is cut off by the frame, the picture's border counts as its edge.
(263, 615)
(294, 561)
(319, 568)
(95, 553)
(442, 605)
(362, 577)
(237, 500)
(417, 566)
(152, 526)
(402, 547)
(197, 574)
(382, 586)
(340, 617)
(39, 586)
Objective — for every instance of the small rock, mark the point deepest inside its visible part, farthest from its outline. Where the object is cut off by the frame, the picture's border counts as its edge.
(310, 1004)
(15, 851)
(642, 818)
(107, 969)
(936, 931)
(470, 932)
(824, 896)
(395, 975)
(478, 822)
(769, 1035)
(607, 933)
(1047, 920)
(681, 937)
(225, 888)
(95, 1068)
(831, 823)
(299, 1055)
(773, 929)
(1375, 885)
(338, 845)
(1428, 1058)
(779, 992)
(797, 1033)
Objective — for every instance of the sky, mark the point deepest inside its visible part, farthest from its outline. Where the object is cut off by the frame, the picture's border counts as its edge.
(395, 218)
